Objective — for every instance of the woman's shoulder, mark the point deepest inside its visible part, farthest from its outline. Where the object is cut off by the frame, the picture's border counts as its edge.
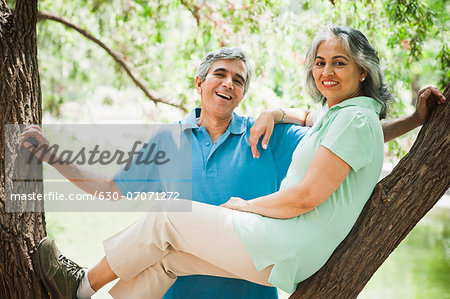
(365, 105)
(359, 114)
(356, 119)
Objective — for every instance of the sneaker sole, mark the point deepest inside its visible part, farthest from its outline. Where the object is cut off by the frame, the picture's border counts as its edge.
(53, 294)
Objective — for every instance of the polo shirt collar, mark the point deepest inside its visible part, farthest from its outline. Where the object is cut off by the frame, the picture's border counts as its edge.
(237, 124)
(191, 119)
(364, 102)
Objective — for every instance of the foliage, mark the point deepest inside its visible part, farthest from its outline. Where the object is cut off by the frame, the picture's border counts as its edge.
(165, 40)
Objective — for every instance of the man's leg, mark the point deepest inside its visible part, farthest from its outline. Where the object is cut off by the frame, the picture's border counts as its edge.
(153, 282)
(206, 233)
(100, 274)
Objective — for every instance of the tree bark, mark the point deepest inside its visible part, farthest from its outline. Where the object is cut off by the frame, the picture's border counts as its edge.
(20, 102)
(397, 204)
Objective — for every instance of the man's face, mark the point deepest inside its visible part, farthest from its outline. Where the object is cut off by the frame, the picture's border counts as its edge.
(223, 88)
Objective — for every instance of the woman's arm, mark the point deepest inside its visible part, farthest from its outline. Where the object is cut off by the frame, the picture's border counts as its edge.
(325, 174)
(427, 98)
(268, 118)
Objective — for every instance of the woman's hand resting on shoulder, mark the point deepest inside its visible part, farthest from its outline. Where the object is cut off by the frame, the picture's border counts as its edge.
(264, 125)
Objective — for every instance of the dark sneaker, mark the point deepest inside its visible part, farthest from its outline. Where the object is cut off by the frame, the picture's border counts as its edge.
(60, 275)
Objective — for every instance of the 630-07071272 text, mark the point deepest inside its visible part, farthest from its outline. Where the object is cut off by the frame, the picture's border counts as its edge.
(57, 196)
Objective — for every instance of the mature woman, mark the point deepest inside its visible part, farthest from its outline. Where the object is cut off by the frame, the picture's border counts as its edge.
(279, 239)
(334, 168)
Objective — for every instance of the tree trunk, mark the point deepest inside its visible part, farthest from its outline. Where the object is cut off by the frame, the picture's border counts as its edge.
(20, 99)
(397, 204)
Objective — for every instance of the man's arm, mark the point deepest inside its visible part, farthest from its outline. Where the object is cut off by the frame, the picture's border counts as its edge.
(88, 181)
(428, 97)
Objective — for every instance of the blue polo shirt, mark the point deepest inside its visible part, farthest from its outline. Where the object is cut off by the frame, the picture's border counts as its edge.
(221, 170)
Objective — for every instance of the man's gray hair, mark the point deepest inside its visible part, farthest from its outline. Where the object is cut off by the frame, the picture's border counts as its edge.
(224, 53)
(361, 51)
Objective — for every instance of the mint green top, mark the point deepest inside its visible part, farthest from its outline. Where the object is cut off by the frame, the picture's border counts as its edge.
(299, 246)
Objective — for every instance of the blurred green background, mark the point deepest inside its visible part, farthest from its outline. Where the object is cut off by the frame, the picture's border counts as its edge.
(163, 42)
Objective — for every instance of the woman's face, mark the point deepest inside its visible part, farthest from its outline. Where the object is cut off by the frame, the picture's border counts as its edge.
(337, 76)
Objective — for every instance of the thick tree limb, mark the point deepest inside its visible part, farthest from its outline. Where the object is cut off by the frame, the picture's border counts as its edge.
(397, 204)
(116, 56)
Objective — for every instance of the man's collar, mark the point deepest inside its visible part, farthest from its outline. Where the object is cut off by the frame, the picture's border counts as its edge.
(237, 124)
(362, 101)
(191, 119)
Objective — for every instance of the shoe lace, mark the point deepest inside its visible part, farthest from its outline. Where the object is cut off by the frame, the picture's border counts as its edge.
(74, 269)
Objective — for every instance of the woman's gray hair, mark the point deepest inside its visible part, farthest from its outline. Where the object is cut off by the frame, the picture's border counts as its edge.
(225, 53)
(361, 51)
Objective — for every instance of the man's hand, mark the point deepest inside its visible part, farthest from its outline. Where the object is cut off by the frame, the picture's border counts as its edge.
(34, 140)
(428, 97)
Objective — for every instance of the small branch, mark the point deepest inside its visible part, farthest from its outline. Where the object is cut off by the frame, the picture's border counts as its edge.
(116, 56)
(194, 11)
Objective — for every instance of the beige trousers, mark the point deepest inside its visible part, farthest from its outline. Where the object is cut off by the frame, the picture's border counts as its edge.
(150, 254)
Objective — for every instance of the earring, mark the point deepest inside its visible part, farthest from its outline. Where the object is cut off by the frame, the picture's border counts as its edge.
(363, 78)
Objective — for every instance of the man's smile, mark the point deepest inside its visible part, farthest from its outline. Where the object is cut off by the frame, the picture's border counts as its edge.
(223, 95)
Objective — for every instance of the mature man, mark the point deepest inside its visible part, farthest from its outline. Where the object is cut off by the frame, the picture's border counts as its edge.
(223, 166)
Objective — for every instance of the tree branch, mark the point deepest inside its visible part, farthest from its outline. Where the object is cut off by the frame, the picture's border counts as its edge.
(194, 11)
(116, 56)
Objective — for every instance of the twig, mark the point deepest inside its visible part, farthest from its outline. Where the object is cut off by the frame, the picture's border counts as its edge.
(194, 11)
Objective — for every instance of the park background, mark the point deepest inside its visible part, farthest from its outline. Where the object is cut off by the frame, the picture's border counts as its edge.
(161, 44)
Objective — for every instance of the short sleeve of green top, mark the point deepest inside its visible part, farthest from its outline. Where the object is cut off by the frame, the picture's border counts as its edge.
(299, 246)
